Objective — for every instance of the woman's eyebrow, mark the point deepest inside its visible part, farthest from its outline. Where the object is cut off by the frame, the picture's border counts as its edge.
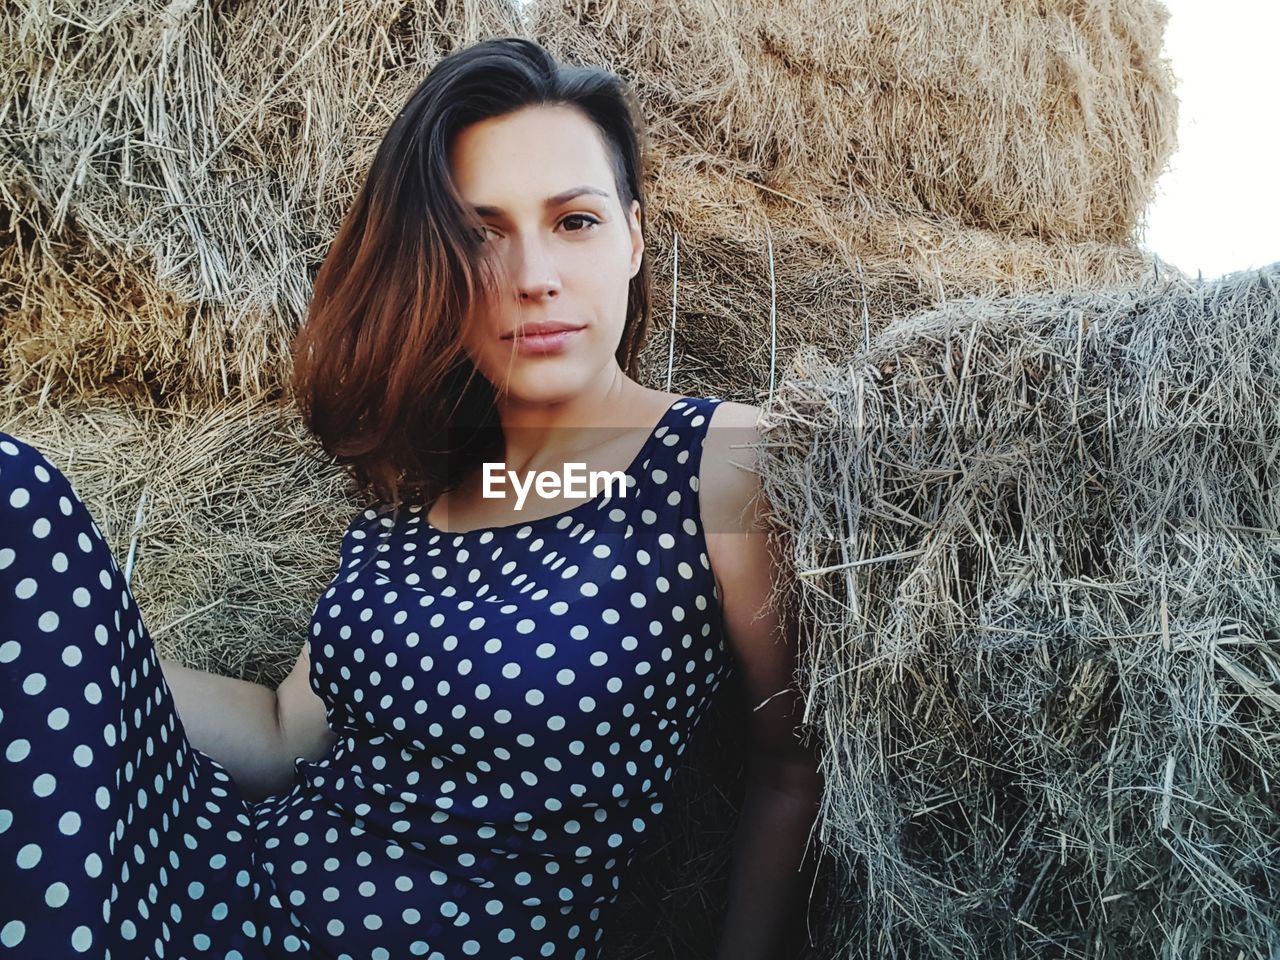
(554, 201)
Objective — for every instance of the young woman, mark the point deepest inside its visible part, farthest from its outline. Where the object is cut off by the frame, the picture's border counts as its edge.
(481, 726)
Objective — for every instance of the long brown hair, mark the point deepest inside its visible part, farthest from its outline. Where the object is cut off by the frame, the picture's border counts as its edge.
(380, 374)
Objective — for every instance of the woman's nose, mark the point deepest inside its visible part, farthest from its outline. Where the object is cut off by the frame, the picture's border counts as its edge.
(535, 272)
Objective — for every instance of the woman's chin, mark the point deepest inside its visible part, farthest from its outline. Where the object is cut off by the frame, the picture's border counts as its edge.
(546, 381)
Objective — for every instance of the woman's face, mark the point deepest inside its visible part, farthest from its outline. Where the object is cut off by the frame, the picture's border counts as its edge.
(560, 254)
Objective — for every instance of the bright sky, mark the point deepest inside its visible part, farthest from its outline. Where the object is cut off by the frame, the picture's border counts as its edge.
(1217, 205)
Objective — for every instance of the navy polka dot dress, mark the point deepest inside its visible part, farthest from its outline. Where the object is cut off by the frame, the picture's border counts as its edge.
(508, 702)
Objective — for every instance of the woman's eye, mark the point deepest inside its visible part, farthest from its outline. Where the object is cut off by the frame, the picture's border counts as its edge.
(589, 222)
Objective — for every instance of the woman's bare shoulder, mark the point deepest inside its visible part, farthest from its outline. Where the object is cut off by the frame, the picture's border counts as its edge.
(731, 413)
(727, 479)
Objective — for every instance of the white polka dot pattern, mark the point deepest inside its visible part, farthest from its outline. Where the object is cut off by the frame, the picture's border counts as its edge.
(508, 702)
(117, 838)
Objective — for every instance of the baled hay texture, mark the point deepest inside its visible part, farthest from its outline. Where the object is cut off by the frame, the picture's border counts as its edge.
(1050, 119)
(755, 275)
(1039, 570)
(171, 173)
(821, 170)
(231, 513)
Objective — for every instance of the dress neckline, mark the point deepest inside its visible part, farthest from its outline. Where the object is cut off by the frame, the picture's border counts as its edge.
(630, 470)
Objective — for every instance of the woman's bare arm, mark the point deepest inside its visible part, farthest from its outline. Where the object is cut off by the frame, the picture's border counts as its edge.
(252, 730)
(771, 876)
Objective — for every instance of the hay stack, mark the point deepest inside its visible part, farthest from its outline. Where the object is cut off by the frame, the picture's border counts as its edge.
(895, 154)
(1040, 575)
(174, 172)
(1049, 120)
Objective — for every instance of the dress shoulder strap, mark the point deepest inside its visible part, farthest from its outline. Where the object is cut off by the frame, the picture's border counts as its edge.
(666, 488)
(680, 435)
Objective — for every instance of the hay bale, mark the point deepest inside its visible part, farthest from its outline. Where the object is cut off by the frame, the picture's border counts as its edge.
(1045, 119)
(227, 515)
(821, 184)
(1039, 571)
(829, 168)
(756, 276)
(174, 172)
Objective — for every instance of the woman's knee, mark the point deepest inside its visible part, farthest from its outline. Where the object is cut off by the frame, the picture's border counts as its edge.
(31, 486)
(72, 637)
(55, 565)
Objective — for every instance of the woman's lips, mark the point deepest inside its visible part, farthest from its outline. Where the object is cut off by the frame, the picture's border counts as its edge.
(540, 343)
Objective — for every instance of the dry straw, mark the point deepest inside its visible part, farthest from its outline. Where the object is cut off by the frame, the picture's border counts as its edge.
(1045, 119)
(172, 174)
(1038, 546)
(895, 151)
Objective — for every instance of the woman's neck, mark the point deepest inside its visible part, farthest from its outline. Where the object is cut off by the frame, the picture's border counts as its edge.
(542, 434)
